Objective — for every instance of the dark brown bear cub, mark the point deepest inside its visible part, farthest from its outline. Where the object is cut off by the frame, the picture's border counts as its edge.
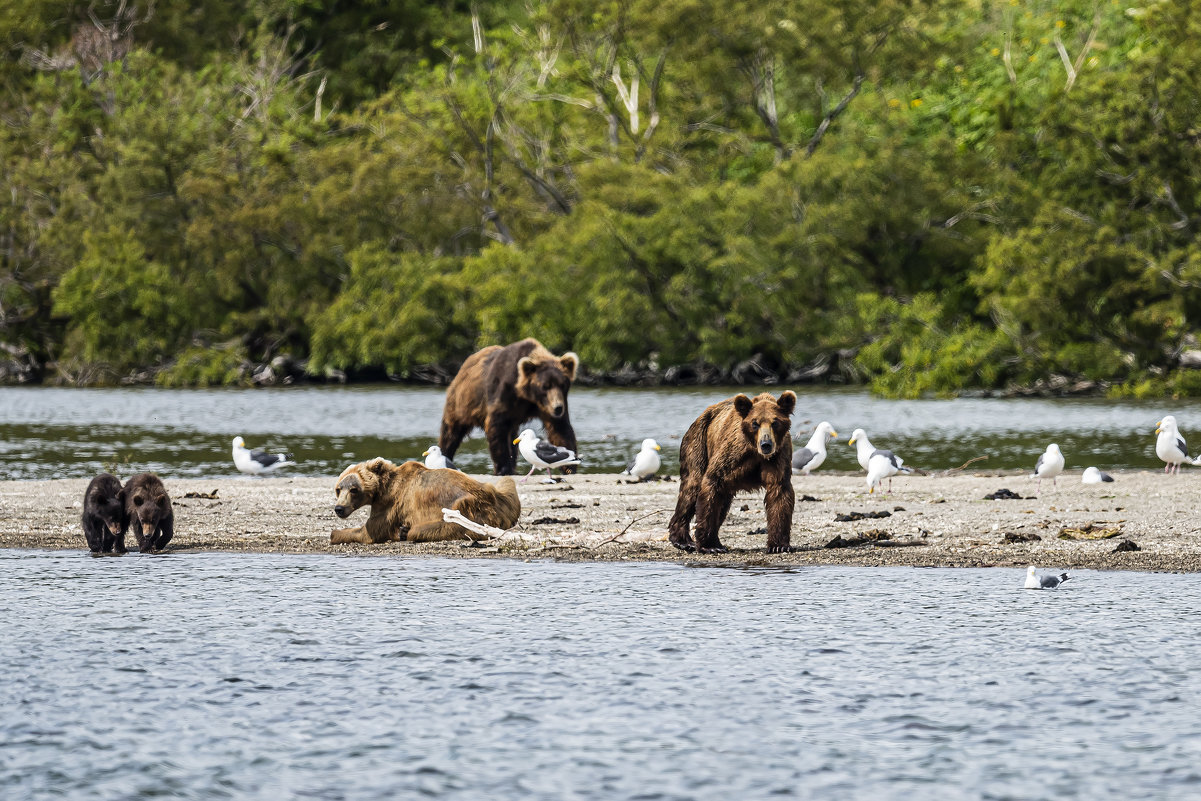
(734, 446)
(150, 513)
(500, 388)
(105, 520)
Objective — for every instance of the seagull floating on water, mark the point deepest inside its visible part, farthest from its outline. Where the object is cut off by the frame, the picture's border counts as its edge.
(1170, 447)
(813, 455)
(1049, 465)
(1037, 582)
(1093, 475)
(542, 453)
(256, 463)
(435, 459)
(879, 464)
(646, 463)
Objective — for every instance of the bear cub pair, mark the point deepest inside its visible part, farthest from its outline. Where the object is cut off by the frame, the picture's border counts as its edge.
(109, 510)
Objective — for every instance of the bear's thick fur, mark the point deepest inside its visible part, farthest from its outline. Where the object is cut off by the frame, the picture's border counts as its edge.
(736, 445)
(406, 502)
(502, 387)
(150, 512)
(105, 520)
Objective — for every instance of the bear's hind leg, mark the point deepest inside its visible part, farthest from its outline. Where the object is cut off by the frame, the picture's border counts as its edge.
(712, 506)
(451, 437)
(677, 529)
(501, 432)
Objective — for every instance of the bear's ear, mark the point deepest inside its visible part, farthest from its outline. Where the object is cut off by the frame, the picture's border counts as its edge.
(569, 362)
(526, 367)
(787, 402)
(379, 466)
(742, 405)
(121, 496)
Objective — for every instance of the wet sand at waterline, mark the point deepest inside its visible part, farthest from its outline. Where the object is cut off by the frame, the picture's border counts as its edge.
(932, 521)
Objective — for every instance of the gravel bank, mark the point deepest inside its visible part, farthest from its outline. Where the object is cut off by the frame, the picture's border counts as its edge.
(931, 521)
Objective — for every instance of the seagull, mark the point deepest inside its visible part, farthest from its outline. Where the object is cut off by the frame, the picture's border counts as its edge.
(1049, 465)
(1037, 582)
(1169, 445)
(646, 463)
(541, 453)
(434, 459)
(258, 462)
(1092, 475)
(879, 464)
(882, 465)
(813, 455)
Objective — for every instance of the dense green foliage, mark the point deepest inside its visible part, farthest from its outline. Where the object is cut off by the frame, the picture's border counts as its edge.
(948, 194)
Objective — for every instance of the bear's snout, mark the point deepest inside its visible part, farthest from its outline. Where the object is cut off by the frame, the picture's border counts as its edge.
(766, 446)
(341, 511)
(114, 526)
(557, 410)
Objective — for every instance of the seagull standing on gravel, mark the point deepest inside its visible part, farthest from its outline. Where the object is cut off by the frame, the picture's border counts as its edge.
(811, 457)
(542, 454)
(1037, 582)
(646, 463)
(435, 459)
(1094, 475)
(1049, 465)
(1169, 445)
(256, 463)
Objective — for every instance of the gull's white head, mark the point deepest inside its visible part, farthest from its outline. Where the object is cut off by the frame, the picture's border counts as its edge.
(1166, 424)
(434, 450)
(1030, 570)
(526, 436)
(1053, 448)
(239, 442)
(825, 428)
(650, 445)
(858, 433)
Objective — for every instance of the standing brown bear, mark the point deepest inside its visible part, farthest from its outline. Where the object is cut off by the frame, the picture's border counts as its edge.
(150, 512)
(501, 388)
(736, 445)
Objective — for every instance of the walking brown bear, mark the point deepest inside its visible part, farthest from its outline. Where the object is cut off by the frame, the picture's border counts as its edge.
(105, 520)
(737, 445)
(502, 387)
(150, 514)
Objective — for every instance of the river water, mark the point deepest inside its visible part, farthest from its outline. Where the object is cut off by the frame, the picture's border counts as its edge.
(209, 676)
(60, 433)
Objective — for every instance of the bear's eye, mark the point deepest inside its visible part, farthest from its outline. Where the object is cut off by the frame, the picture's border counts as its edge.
(754, 426)
(354, 490)
(137, 500)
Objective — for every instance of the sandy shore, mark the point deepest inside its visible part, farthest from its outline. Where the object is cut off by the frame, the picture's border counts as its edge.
(931, 521)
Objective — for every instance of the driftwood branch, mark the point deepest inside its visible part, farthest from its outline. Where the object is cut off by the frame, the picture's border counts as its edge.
(621, 533)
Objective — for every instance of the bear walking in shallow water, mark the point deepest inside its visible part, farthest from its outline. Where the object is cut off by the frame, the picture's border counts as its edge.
(734, 446)
(501, 388)
(150, 512)
(105, 520)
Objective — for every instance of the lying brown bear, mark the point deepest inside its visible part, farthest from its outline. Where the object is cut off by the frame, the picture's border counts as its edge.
(500, 388)
(150, 514)
(406, 502)
(734, 446)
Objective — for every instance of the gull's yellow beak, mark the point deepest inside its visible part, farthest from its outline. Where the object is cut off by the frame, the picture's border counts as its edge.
(658, 448)
(517, 440)
(870, 490)
(851, 441)
(425, 453)
(833, 435)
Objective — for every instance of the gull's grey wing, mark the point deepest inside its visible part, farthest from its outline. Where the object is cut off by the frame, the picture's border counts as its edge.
(451, 465)
(1038, 465)
(801, 458)
(551, 453)
(1180, 446)
(889, 455)
(1049, 581)
(1105, 476)
(629, 471)
(266, 459)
